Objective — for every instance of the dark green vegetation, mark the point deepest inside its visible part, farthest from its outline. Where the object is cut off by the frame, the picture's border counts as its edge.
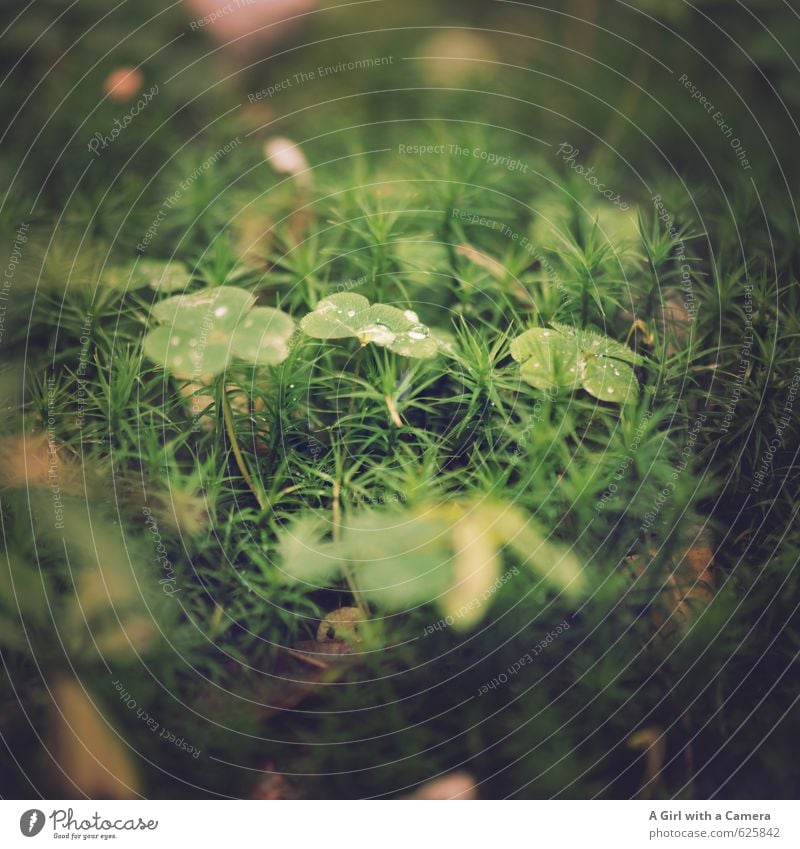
(184, 515)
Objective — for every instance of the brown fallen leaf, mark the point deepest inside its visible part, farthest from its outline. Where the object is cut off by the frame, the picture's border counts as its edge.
(671, 319)
(38, 461)
(273, 786)
(689, 585)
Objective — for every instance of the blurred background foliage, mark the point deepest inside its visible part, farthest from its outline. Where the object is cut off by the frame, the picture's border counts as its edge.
(86, 626)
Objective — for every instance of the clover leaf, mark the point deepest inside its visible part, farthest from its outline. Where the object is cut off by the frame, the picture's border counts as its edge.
(549, 360)
(450, 554)
(346, 314)
(566, 358)
(336, 317)
(598, 344)
(202, 332)
(170, 276)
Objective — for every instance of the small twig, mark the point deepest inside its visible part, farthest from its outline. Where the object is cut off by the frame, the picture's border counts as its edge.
(227, 414)
(305, 658)
(336, 510)
(652, 742)
(356, 374)
(393, 414)
(216, 619)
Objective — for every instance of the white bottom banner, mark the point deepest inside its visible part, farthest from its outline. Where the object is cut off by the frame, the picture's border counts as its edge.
(402, 824)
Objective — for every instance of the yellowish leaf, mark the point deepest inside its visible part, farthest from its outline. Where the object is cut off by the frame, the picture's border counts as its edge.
(92, 758)
(476, 566)
(556, 563)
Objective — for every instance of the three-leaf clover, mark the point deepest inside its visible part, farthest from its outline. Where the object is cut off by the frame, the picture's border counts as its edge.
(202, 332)
(560, 357)
(449, 554)
(347, 314)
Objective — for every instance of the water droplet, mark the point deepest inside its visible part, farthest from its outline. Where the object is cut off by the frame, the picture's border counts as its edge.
(378, 333)
(324, 307)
